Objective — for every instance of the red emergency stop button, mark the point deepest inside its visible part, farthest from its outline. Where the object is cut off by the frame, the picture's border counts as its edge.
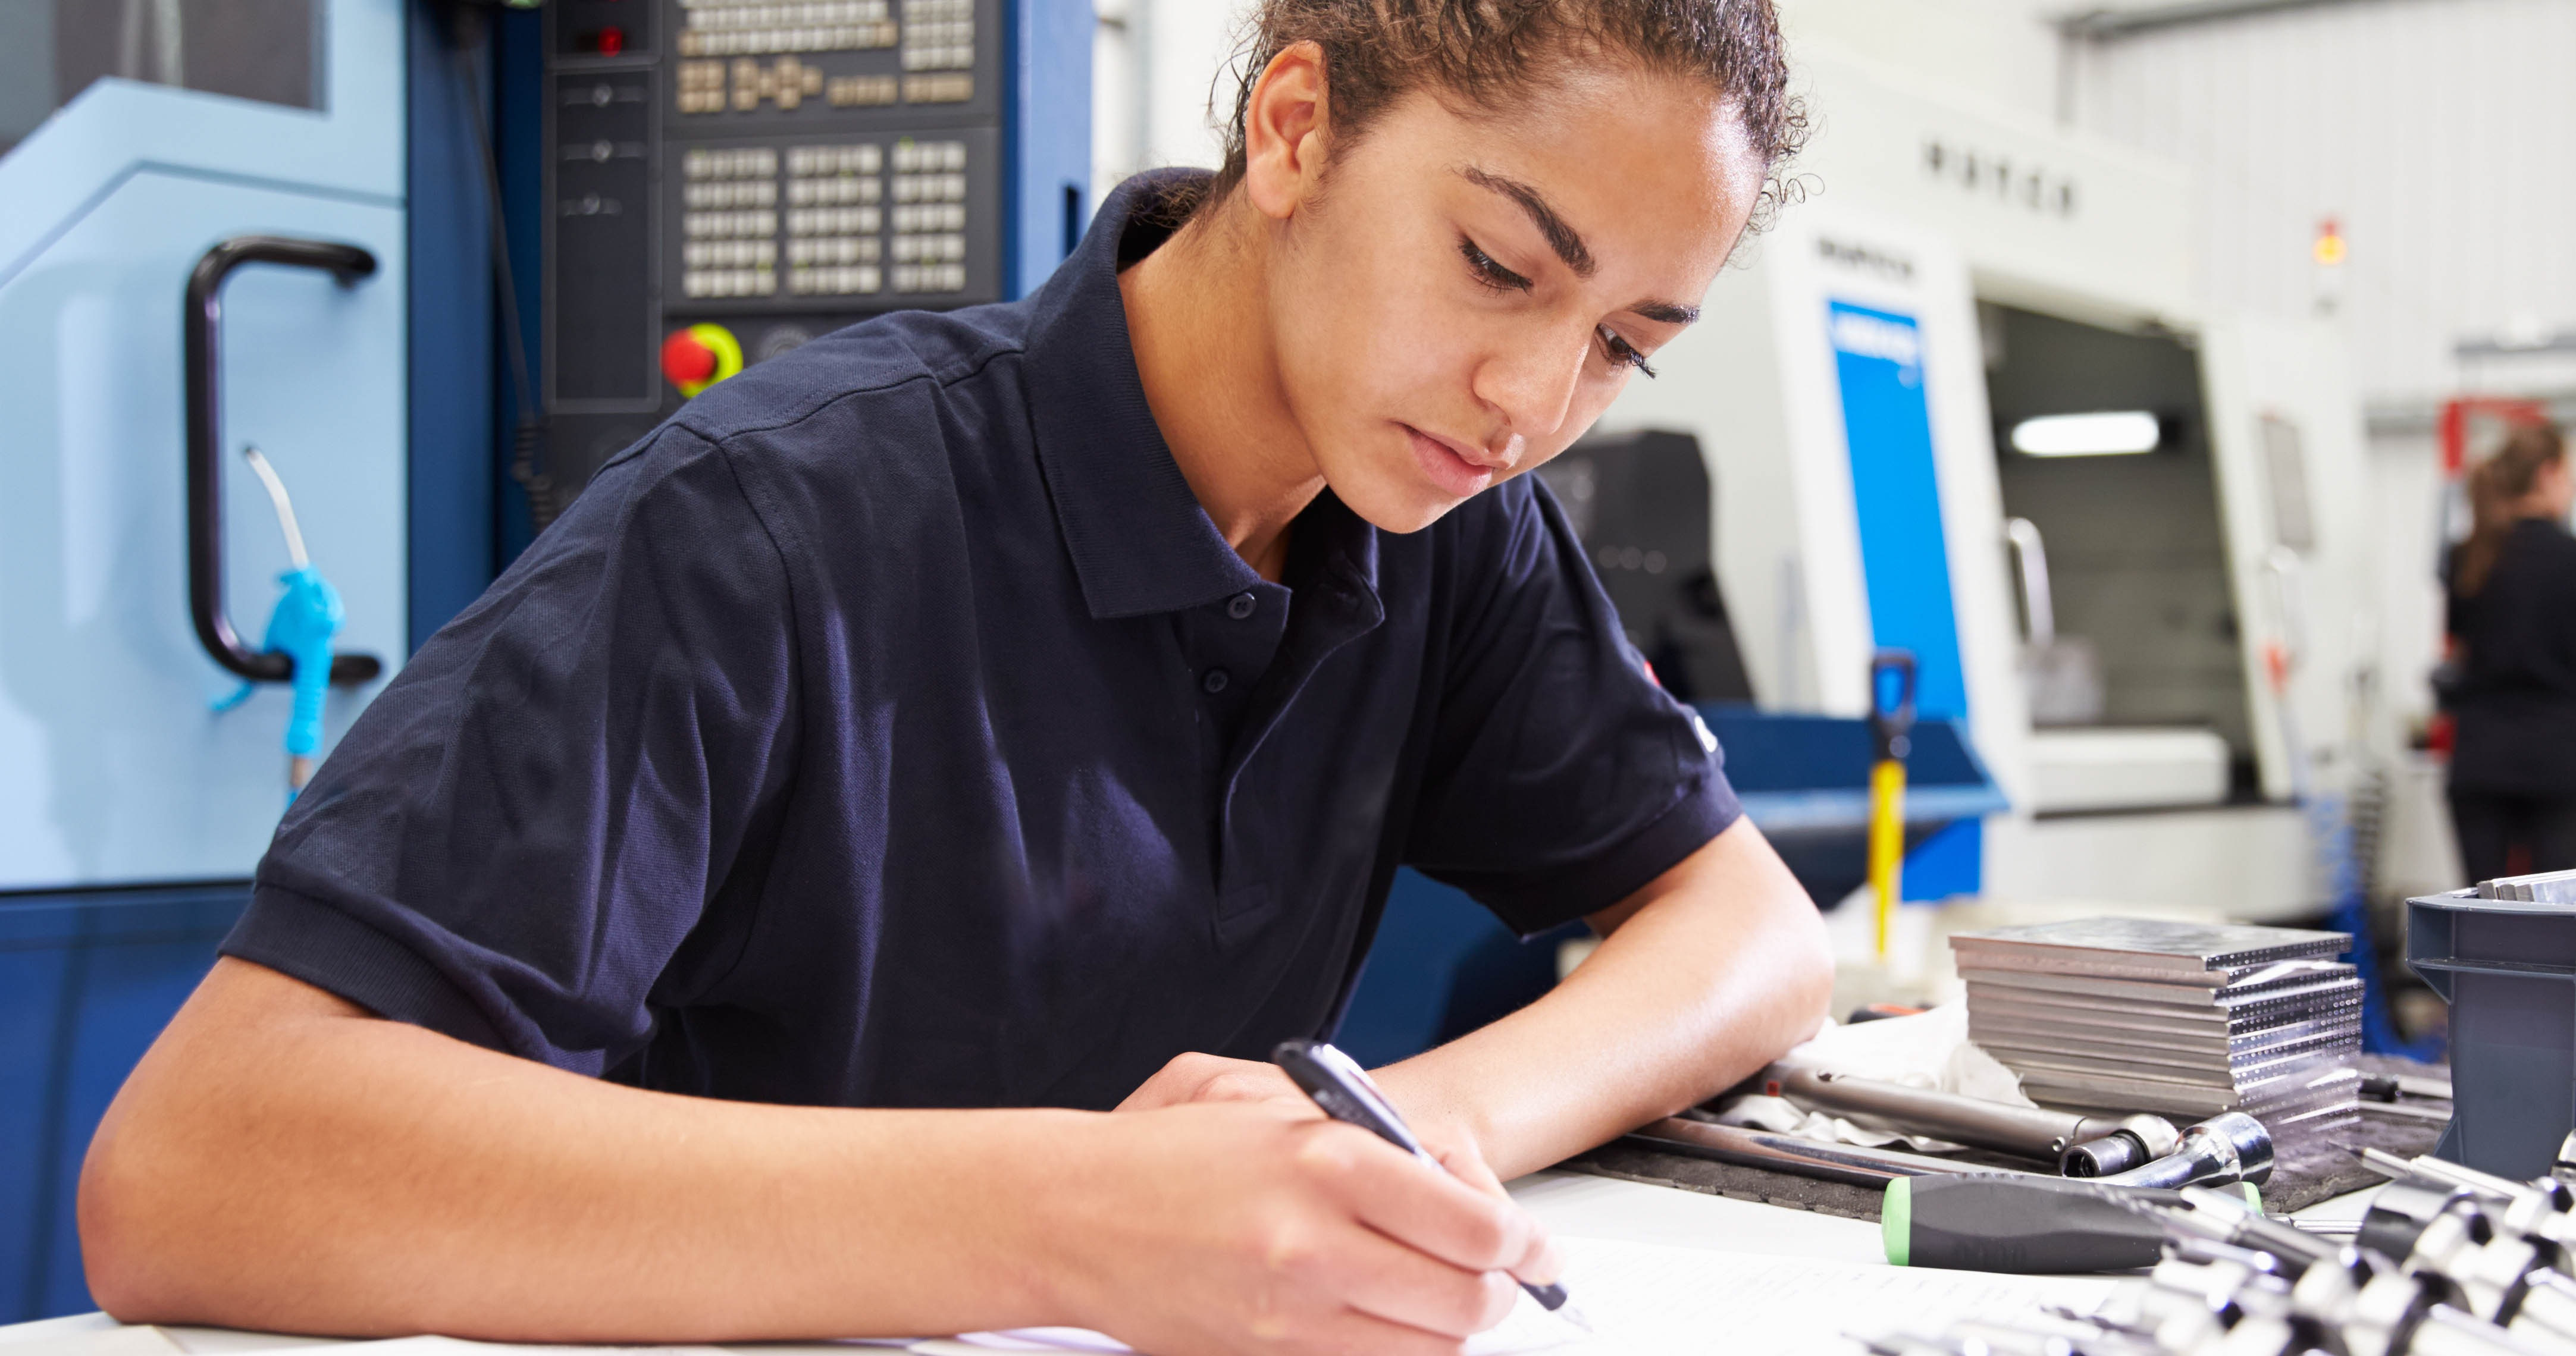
(698, 357)
(686, 360)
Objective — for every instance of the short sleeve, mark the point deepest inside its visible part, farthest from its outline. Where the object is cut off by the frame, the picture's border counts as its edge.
(1562, 779)
(516, 838)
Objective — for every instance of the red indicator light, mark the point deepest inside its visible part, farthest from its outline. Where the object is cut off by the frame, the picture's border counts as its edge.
(612, 41)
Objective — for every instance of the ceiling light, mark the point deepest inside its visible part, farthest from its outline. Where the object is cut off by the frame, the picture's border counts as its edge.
(2107, 434)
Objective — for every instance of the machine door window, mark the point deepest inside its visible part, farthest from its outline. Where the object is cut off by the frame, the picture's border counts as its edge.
(51, 50)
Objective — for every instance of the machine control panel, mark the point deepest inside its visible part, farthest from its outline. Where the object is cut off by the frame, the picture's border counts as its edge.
(731, 178)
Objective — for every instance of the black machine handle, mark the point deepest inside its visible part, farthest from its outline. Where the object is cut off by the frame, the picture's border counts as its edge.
(203, 322)
(1891, 728)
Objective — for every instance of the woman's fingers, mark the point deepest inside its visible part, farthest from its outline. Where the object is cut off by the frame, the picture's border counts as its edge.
(1429, 1209)
(1464, 1161)
(1210, 1078)
(1380, 1276)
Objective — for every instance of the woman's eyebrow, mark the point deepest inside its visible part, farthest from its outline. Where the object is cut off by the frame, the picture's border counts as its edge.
(1568, 242)
(1561, 238)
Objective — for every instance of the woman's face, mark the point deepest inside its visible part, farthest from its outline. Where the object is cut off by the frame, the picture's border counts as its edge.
(1458, 298)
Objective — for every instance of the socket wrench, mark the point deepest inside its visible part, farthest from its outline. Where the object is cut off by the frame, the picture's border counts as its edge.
(2228, 1147)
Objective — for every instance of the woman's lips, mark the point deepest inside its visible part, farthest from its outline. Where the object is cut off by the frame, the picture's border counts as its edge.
(1448, 470)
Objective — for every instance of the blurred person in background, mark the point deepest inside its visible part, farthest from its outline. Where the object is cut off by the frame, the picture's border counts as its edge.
(2512, 621)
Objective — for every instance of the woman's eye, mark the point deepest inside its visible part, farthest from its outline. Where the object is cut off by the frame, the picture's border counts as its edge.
(1623, 353)
(1489, 272)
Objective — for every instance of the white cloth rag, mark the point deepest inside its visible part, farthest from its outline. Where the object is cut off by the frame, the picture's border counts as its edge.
(1927, 1050)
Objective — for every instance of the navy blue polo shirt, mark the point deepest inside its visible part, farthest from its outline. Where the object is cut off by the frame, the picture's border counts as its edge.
(892, 728)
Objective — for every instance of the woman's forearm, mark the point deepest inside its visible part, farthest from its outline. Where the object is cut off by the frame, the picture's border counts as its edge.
(1712, 970)
(283, 1161)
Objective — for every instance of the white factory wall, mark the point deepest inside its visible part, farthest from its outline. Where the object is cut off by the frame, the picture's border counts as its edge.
(2004, 51)
(1154, 65)
(2441, 133)
(1156, 60)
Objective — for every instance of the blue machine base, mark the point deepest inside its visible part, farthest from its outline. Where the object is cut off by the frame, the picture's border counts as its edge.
(87, 980)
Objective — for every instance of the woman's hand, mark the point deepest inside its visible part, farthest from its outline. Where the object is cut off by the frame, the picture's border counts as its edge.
(1215, 1078)
(1252, 1223)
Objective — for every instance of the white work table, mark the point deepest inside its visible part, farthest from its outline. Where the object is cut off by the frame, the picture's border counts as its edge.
(1572, 1205)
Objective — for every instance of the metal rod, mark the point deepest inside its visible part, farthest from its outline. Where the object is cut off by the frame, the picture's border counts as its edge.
(1797, 1156)
(2027, 1130)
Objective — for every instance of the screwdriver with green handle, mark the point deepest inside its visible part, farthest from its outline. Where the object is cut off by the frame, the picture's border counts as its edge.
(2024, 1224)
(2034, 1224)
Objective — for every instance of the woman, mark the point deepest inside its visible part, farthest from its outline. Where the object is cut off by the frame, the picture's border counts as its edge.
(2513, 619)
(743, 921)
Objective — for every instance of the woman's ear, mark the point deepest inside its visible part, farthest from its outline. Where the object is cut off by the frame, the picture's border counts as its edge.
(1283, 131)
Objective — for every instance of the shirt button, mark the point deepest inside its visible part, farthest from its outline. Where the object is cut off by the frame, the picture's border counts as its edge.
(1241, 605)
(1214, 682)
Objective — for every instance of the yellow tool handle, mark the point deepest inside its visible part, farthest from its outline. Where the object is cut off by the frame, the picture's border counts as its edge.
(1886, 842)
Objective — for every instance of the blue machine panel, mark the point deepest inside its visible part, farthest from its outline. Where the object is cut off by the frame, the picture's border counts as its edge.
(1905, 558)
(112, 768)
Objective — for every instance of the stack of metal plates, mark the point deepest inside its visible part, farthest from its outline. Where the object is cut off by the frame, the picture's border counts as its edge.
(2181, 1019)
(2551, 887)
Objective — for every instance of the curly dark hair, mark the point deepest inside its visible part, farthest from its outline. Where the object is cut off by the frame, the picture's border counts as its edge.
(1481, 51)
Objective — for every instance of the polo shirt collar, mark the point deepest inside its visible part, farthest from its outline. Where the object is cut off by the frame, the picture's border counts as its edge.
(1140, 542)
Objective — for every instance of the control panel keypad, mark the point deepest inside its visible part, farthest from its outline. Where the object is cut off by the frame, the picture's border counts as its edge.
(832, 247)
(929, 244)
(730, 227)
(849, 228)
(722, 42)
(757, 27)
(938, 35)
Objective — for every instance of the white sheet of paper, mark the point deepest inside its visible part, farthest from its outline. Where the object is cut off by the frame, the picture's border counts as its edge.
(1649, 1298)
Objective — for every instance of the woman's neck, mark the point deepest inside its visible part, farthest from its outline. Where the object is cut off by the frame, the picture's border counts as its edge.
(1197, 317)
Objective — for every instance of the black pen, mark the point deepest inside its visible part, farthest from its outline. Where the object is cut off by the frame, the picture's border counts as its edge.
(1345, 1092)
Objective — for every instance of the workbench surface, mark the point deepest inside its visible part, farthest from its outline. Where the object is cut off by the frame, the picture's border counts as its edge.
(1572, 1204)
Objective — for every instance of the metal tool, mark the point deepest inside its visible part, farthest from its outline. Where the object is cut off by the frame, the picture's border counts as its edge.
(2212, 1299)
(1796, 1155)
(2390, 1087)
(2557, 1192)
(2499, 1244)
(2373, 1305)
(2438, 1237)
(2080, 1146)
(2228, 1147)
(2542, 1205)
